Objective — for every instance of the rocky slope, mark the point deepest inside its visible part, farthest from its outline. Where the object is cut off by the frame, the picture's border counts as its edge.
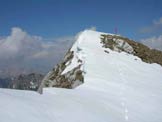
(58, 77)
(67, 80)
(119, 43)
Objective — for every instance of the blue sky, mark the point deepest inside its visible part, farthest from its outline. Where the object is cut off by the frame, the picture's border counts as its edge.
(37, 33)
(57, 18)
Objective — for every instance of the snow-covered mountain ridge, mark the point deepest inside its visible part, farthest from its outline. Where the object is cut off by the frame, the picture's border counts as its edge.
(118, 87)
(70, 72)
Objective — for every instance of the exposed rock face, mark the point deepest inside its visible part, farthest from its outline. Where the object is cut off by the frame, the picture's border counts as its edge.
(70, 79)
(118, 43)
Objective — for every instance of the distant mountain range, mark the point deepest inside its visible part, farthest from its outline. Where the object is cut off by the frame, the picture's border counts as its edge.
(5, 82)
(23, 82)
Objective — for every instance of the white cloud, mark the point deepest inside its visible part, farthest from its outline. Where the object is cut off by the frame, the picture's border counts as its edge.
(21, 51)
(153, 42)
(19, 43)
(91, 28)
(155, 26)
(158, 22)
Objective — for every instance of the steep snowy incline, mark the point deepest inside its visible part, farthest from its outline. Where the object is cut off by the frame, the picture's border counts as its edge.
(118, 87)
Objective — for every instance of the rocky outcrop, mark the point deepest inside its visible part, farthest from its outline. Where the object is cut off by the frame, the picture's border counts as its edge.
(116, 44)
(119, 43)
(69, 79)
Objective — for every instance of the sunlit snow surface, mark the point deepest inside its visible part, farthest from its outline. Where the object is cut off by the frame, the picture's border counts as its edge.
(118, 88)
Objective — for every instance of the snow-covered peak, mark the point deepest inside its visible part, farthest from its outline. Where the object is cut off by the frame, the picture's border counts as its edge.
(70, 72)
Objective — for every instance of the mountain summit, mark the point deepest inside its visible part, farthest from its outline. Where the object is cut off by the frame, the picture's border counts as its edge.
(109, 79)
(101, 48)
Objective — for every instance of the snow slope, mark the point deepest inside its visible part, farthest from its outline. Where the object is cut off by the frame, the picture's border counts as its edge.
(118, 87)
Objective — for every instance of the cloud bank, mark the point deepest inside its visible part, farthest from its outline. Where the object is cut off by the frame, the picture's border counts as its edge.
(153, 42)
(23, 53)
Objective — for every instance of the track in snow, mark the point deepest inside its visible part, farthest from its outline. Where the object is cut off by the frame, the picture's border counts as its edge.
(122, 93)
